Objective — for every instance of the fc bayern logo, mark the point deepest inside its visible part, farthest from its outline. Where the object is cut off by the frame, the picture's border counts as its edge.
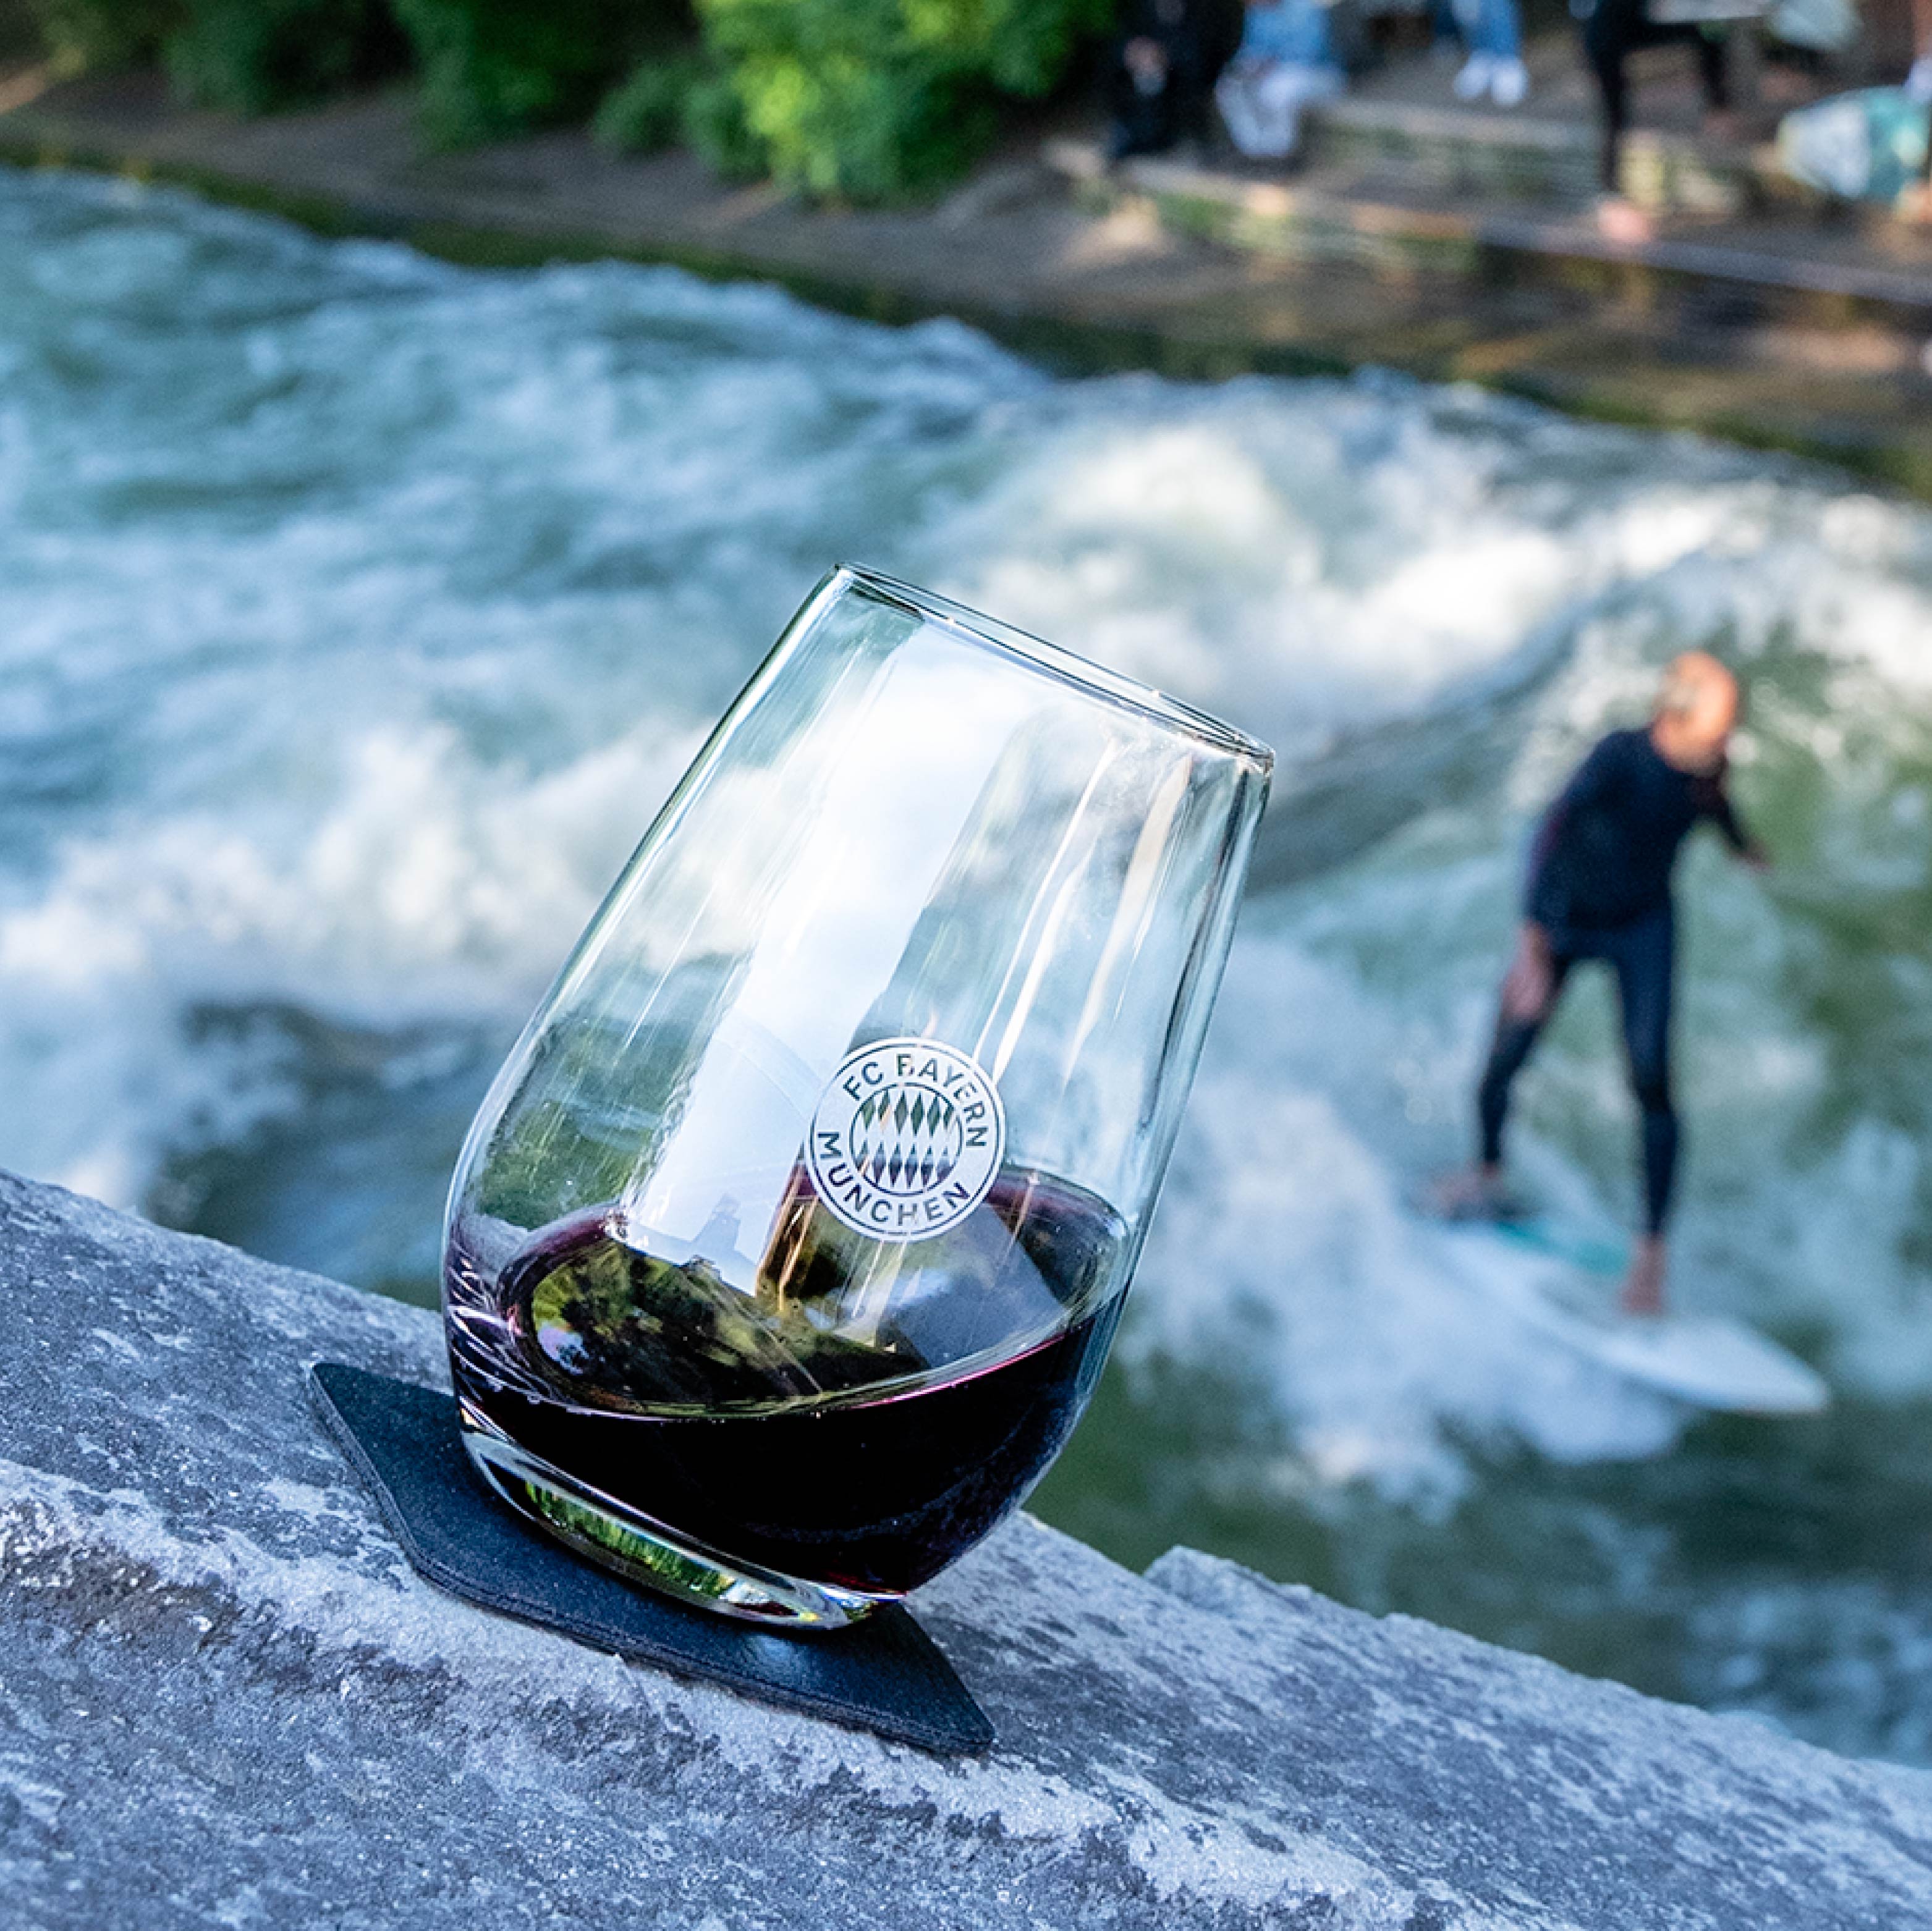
(906, 1140)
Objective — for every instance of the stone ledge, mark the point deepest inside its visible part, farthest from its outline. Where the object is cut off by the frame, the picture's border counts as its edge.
(1314, 218)
(226, 1699)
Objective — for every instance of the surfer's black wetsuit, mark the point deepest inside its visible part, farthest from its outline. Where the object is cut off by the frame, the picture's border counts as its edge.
(1599, 885)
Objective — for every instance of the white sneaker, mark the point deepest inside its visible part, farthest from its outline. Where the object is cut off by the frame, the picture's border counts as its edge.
(1315, 84)
(1262, 106)
(1509, 82)
(1474, 81)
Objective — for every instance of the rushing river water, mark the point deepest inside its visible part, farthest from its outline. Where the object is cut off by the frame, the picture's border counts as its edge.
(356, 611)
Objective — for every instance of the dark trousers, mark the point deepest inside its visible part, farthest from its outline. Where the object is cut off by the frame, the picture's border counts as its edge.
(1613, 32)
(1641, 954)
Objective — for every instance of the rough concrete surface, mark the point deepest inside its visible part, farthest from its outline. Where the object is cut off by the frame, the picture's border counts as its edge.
(225, 1699)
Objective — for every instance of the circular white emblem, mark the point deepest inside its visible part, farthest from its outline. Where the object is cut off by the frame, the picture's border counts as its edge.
(907, 1140)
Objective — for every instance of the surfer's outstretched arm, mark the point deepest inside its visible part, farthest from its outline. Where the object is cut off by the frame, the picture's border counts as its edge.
(1724, 814)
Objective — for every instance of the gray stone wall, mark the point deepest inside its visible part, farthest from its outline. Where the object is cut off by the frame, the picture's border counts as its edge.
(225, 1699)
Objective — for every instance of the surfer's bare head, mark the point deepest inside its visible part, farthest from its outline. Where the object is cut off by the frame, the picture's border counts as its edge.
(1697, 707)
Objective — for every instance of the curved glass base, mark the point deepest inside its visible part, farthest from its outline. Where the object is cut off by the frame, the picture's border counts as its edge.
(641, 1551)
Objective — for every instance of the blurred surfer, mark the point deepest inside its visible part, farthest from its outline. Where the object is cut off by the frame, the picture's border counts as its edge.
(1599, 888)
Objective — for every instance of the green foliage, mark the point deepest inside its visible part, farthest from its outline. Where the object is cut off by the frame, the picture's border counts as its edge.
(602, 1536)
(716, 126)
(866, 99)
(245, 55)
(251, 55)
(544, 1164)
(82, 35)
(874, 98)
(647, 111)
(492, 67)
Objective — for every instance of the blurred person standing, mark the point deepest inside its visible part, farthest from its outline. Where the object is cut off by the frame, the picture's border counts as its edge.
(1599, 888)
(1914, 203)
(1918, 80)
(1157, 79)
(1285, 62)
(1613, 30)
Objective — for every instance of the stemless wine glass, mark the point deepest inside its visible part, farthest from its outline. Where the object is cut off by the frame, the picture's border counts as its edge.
(786, 1246)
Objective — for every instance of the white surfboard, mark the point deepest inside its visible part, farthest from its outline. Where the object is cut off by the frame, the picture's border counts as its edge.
(1557, 1280)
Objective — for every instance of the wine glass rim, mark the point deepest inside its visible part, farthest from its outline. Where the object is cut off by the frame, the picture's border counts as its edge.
(1094, 679)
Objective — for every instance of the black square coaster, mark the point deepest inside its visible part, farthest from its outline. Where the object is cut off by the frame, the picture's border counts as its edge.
(884, 1675)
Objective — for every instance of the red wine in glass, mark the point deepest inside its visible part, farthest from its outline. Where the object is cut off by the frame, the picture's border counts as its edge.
(863, 1416)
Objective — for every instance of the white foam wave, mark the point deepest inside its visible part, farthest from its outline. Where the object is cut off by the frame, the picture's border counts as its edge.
(355, 614)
